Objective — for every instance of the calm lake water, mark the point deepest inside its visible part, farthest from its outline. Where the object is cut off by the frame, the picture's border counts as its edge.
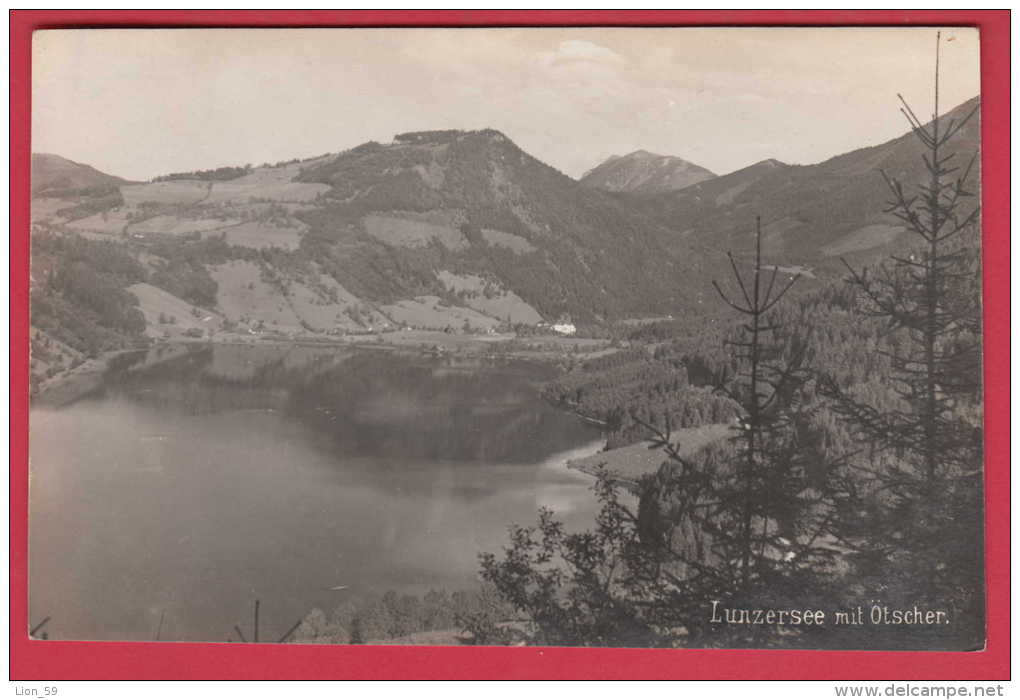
(191, 487)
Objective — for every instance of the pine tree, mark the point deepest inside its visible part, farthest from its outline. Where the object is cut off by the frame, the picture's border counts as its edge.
(747, 522)
(915, 518)
(761, 389)
(742, 521)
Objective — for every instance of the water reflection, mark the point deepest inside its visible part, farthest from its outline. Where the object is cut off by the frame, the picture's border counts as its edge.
(199, 483)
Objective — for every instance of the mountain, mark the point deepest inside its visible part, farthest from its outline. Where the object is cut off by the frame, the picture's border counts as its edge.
(53, 175)
(645, 173)
(440, 230)
(809, 212)
(473, 202)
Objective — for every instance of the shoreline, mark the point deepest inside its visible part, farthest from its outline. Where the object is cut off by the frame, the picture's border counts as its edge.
(627, 465)
(75, 383)
(589, 466)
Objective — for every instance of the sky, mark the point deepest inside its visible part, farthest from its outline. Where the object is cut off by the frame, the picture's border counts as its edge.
(142, 102)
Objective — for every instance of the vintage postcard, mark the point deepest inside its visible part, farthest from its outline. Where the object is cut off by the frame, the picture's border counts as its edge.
(605, 337)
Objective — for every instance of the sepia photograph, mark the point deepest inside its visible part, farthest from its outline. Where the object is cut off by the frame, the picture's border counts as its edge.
(628, 337)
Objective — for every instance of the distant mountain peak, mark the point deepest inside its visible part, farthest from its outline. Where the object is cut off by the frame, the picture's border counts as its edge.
(645, 172)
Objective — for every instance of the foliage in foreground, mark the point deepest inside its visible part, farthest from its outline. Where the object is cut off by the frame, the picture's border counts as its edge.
(468, 616)
(775, 518)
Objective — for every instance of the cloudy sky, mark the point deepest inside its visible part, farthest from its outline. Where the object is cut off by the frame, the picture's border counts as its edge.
(138, 103)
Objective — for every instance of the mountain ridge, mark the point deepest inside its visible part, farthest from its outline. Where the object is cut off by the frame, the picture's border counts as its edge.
(446, 229)
(52, 173)
(813, 212)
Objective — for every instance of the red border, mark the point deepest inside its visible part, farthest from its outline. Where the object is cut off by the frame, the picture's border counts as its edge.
(31, 660)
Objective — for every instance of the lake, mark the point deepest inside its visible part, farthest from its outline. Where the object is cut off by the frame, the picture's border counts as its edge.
(197, 479)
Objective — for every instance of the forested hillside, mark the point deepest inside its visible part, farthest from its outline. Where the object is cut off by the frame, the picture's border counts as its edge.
(473, 202)
(852, 474)
(79, 296)
(452, 230)
(810, 213)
